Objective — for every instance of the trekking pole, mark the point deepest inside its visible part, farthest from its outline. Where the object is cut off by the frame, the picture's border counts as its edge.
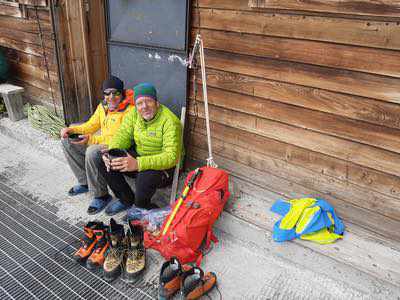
(182, 198)
(178, 166)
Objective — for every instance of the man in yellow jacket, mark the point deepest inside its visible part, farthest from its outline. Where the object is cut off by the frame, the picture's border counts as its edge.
(83, 149)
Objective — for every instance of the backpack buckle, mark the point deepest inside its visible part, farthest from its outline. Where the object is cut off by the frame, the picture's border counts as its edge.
(193, 204)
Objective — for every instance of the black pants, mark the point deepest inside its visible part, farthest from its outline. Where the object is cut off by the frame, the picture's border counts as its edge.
(146, 183)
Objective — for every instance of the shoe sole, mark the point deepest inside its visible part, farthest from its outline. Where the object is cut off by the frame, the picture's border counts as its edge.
(92, 266)
(131, 277)
(111, 276)
(98, 211)
(76, 194)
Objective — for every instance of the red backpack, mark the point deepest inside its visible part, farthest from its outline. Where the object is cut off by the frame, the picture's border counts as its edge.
(192, 224)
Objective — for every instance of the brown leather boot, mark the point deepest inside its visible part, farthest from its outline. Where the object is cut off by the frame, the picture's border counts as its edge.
(114, 260)
(136, 255)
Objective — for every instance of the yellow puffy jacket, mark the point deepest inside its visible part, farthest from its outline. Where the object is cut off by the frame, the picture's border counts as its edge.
(107, 121)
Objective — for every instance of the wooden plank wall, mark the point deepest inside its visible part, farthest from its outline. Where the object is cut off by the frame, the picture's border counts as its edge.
(304, 99)
(21, 42)
(80, 28)
(83, 51)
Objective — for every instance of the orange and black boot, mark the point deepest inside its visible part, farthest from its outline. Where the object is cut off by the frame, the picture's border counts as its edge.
(115, 255)
(171, 278)
(96, 259)
(88, 241)
(196, 284)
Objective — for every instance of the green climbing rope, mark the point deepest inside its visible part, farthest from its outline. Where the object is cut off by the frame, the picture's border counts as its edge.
(43, 119)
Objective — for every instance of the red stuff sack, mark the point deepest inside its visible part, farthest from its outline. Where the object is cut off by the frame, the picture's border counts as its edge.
(193, 222)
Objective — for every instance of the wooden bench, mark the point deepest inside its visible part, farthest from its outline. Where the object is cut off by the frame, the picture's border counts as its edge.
(12, 96)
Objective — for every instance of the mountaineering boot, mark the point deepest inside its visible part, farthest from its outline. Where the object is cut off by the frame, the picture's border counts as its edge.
(136, 255)
(195, 284)
(170, 279)
(115, 256)
(96, 259)
(88, 241)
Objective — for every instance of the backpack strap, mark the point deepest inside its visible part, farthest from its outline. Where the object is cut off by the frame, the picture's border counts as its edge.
(210, 237)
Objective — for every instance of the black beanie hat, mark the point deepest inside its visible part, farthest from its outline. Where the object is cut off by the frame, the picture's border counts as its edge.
(113, 83)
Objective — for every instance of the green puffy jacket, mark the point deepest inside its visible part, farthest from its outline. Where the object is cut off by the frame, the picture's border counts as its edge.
(158, 142)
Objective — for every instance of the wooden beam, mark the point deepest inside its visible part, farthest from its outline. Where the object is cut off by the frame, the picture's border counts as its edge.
(225, 4)
(44, 15)
(35, 95)
(26, 37)
(369, 60)
(97, 49)
(353, 107)
(33, 2)
(16, 56)
(351, 193)
(349, 82)
(77, 39)
(34, 71)
(70, 101)
(386, 8)
(24, 25)
(37, 81)
(11, 10)
(26, 48)
(369, 33)
(364, 155)
(361, 132)
(319, 163)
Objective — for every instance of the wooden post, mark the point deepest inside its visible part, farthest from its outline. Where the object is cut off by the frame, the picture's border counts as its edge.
(98, 59)
(83, 55)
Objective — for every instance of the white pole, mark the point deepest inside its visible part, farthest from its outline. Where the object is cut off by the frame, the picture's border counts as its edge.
(210, 160)
(178, 166)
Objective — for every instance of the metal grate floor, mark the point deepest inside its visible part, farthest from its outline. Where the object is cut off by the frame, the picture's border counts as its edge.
(35, 256)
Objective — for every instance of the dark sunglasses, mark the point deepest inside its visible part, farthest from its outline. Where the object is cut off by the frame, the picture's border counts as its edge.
(115, 93)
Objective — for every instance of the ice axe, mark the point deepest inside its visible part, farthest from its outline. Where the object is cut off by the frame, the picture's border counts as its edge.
(182, 198)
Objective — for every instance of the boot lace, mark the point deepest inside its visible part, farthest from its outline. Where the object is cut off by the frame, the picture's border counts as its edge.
(100, 244)
(86, 241)
(114, 252)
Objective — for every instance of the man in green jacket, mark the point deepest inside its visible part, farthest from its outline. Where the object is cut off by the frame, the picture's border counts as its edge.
(152, 136)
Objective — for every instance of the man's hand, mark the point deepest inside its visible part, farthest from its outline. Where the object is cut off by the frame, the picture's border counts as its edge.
(64, 132)
(84, 140)
(124, 164)
(106, 158)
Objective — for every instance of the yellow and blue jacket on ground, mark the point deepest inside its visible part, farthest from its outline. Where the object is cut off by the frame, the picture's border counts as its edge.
(107, 121)
(308, 219)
